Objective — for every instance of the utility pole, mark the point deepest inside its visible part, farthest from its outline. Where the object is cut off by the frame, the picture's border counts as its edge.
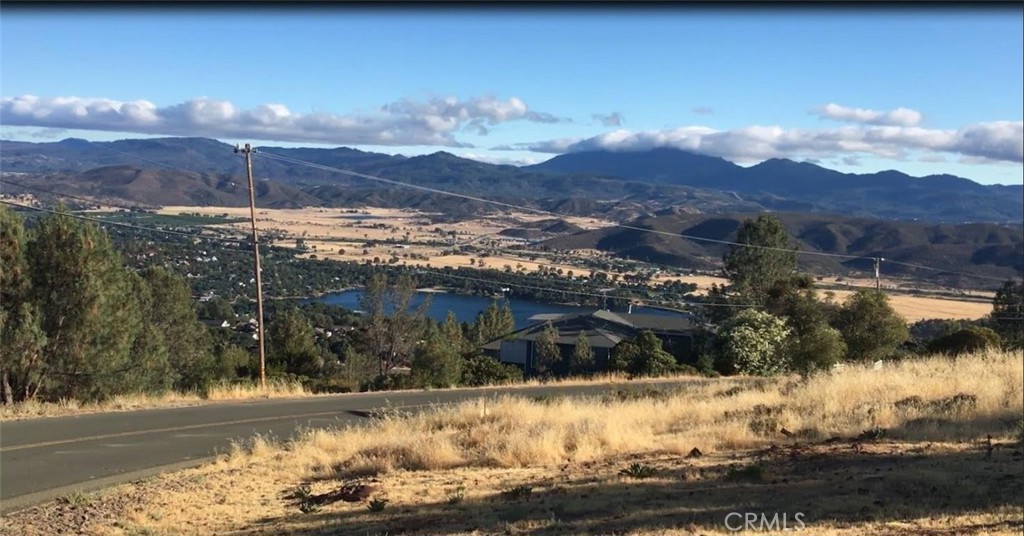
(247, 151)
(878, 270)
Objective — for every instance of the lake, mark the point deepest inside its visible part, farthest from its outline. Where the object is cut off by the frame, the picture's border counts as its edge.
(467, 307)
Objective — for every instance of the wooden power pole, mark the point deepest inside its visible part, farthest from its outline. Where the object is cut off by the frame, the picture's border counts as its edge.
(878, 274)
(247, 151)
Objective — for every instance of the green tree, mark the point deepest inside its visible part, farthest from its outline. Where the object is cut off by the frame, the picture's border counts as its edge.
(752, 342)
(291, 347)
(642, 356)
(813, 344)
(492, 323)
(218, 309)
(21, 356)
(1007, 315)
(231, 359)
(392, 338)
(582, 359)
(870, 326)
(547, 354)
(753, 271)
(171, 314)
(816, 347)
(437, 362)
(86, 309)
(23, 340)
(452, 332)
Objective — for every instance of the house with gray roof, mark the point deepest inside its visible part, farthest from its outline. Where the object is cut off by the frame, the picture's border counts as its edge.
(603, 330)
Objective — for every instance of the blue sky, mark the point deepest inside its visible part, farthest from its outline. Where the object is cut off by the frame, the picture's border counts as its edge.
(920, 90)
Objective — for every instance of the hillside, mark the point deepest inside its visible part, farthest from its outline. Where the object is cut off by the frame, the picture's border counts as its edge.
(169, 187)
(984, 249)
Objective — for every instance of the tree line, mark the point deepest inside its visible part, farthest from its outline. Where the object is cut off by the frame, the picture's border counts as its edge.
(780, 323)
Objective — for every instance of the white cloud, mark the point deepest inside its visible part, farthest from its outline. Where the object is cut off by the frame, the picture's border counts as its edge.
(998, 141)
(899, 117)
(434, 122)
(614, 119)
(523, 161)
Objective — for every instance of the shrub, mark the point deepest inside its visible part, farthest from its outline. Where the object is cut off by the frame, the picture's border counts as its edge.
(968, 340)
(480, 370)
(870, 326)
(753, 342)
(638, 470)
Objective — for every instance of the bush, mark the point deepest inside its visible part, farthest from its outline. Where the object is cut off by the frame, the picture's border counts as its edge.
(965, 341)
(753, 342)
(643, 356)
(820, 347)
(479, 370)
(872, 329)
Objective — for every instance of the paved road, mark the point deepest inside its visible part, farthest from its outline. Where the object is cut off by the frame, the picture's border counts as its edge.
(42, 459)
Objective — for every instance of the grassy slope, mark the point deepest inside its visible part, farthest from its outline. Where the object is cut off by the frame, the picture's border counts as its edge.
(924, 467)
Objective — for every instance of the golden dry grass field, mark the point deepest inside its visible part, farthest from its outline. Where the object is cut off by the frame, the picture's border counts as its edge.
(922, 447)
(339, 234)
(224, 391)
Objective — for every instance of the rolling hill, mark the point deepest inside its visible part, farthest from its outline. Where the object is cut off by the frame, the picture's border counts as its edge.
(981, 248)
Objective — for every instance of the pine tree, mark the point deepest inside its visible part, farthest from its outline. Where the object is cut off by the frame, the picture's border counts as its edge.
(582, 359)
(21, 351)
(437, 363)
(86, 309)
(547, 354)
(291, 347)
(451, 331)
(753, 271)
(493, 322)
(172, 314)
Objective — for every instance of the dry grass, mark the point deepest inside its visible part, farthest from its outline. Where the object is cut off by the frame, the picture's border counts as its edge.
(925, 467)
(224, 391)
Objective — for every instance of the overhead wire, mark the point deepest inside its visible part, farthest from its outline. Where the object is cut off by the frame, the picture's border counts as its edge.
(618, 225)
(100, 221)
(533, 210)
(954, 272)
(443, 274)
(543, 211)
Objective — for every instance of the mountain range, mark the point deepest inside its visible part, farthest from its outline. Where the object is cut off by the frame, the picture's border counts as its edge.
(631, 183)
(962, 226)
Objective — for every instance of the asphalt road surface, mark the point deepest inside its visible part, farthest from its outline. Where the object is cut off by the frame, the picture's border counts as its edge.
(42, 459)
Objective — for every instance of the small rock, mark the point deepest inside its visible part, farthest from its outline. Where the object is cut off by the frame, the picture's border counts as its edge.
(695, 453)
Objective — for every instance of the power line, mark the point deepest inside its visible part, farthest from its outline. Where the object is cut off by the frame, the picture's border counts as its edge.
(923, 267)
(877, 260)
(51, 192)
(443, 274)
(542, 211)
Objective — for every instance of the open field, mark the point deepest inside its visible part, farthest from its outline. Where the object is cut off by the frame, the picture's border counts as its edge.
(340, 234)
(922, 447)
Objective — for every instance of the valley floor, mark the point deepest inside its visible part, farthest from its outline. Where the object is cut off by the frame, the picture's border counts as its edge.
(339, 235)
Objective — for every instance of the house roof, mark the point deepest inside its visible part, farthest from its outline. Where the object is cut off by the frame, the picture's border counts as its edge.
(603, 329)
